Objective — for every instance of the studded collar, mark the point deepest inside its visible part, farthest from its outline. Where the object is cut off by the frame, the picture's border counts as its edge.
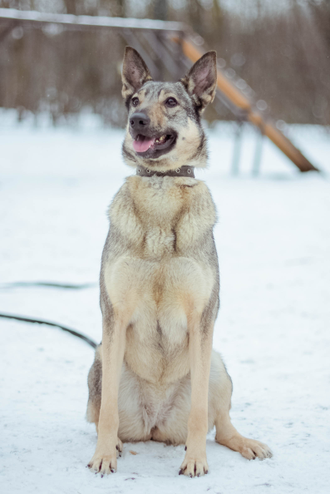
(183, 171)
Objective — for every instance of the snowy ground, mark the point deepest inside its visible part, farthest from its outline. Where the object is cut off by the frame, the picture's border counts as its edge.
(273, 239)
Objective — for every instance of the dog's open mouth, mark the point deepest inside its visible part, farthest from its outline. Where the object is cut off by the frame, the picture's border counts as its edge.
(153, 146)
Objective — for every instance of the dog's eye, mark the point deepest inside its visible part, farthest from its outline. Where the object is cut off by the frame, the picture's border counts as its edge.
(171, 102)
(135, 101)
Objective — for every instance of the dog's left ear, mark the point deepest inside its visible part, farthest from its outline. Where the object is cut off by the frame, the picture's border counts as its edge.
(134, 74)
(201, 80)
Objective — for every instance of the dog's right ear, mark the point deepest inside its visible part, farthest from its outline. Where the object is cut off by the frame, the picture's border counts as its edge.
(134, 74)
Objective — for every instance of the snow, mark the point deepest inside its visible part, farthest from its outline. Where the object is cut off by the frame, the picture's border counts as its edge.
(273, 239)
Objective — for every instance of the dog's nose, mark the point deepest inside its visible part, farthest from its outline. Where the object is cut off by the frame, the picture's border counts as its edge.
(139, 121)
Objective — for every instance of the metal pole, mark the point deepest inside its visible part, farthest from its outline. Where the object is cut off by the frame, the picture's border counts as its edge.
(237, 148)
(160, 13)
(7, 30)
(258, 153)
(131, 38)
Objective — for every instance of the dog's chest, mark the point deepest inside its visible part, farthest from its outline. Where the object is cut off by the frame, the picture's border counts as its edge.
(157, 205)
(147, 212)
(156, 297)
(152, 274)
(156, 354)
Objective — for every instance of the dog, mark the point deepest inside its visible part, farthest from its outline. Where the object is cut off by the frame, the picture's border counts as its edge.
(155, 375)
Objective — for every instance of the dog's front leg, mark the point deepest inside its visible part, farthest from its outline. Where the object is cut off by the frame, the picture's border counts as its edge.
(200, 348)
(108, 443)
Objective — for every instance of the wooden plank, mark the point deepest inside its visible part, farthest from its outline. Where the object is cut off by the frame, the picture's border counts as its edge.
(240, 101)
(39, 19)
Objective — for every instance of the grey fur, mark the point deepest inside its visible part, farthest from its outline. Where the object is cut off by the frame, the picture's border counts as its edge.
(155, 375)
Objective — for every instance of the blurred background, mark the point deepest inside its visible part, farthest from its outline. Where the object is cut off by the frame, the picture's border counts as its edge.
(278, 52)
(61, 131)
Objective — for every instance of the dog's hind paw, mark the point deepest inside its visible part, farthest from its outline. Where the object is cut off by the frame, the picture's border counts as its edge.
(249, 448)
(252, 449)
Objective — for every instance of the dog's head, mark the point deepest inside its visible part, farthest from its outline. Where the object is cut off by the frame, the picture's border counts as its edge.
(164, 130)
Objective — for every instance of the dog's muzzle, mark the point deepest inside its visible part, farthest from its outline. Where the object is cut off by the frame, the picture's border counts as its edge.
(138, 123)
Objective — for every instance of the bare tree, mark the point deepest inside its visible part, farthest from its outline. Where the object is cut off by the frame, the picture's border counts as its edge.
(284, 55)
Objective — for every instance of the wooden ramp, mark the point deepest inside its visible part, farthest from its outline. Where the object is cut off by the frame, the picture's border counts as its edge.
(242, 103)
(160, 42)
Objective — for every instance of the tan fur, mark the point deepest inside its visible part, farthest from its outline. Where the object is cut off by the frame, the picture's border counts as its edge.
(155, 375)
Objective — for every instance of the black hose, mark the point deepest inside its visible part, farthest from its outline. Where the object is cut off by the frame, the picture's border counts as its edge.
(20, 284)
(54, 324)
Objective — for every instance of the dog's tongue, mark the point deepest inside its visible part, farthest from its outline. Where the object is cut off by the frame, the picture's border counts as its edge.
(142, 144)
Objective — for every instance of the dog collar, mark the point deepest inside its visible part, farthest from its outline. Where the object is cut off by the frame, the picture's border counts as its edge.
(183, 171)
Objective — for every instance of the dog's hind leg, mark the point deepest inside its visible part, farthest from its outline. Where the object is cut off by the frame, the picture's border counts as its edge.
(226, 434)
(95, 389)
(131, 423)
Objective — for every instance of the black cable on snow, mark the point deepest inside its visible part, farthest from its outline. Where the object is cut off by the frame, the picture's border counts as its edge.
(53, 324)
(69, 286)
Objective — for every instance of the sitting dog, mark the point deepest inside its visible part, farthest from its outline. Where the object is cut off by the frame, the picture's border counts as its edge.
(155, 375)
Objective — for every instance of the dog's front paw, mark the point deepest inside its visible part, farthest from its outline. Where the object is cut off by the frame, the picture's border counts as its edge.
(194, 466)
(104, 460)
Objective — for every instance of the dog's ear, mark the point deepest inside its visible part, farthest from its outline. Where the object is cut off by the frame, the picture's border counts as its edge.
(134, 74)
(201, 80)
